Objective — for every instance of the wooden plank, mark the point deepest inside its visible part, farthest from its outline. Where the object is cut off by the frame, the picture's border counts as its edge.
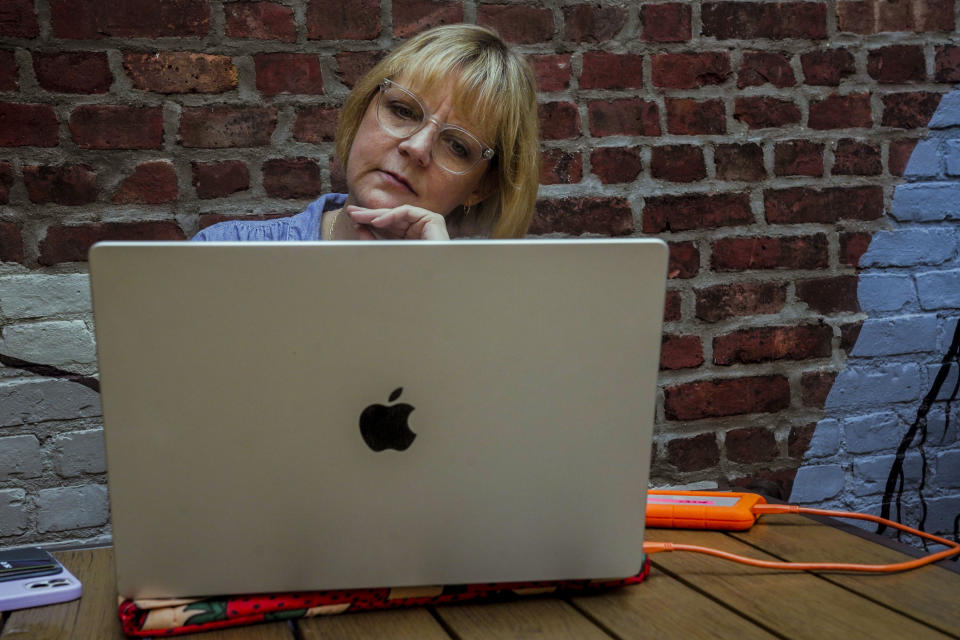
(662, 607)
(929, 594)
(793, 604)
(399, 623)
(533, 618)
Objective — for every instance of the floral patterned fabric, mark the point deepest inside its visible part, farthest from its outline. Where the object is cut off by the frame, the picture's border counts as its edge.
(170, 617)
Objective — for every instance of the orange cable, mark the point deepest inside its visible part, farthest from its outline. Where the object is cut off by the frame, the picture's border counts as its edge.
(954, 548)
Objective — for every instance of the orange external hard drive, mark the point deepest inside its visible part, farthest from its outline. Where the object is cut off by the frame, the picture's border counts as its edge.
(723, 510)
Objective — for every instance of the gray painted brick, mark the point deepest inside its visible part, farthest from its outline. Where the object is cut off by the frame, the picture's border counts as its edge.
(886, 292)
(924, 161)
(927, 201)
(947, 113)
(952, 154)
(948, 469)
(20, 456)
(66, 508)
(816, 483)
(13, 512)
(949, 383)
(941, 513)
(875, 385)
(941, 431)
(910, 247)
(79, 452)
(903, 334)
(873, 432)
(825, 441)
(939, 289)
(29, 401)
(42, 295)
(870, 474)
(59, 342)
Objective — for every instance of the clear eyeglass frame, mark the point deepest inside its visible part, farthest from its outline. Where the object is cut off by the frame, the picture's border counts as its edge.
(485, 152)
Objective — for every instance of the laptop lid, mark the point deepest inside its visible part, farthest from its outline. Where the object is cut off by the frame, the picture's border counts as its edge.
(342, 415)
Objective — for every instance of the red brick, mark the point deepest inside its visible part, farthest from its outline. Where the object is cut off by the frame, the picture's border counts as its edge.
(592, 22)
(627, 116)
(697, 211)
(751, 445)
(220, 179)
(875, 16)
(69, 184)
(856, 17)
(765, 67)
(337, 20)
(729, 397)
(849, 332)
(680, 352)
(180, 72)
(288, 73)
(605, 70)
(260, 21)
(28, 125)
(841, 111)
(552, 71)
(899, 154)
(690, 70)
(353, 65)
(684, 260)
(576, 216)
(897, 64)
(774, 20)
(11, 243)
(560, 167)
(827, 67)
(150, 183)
(856, 157)
(725, 301)
(947, 64)
(207, 219)
(18, 19)
(835, 294)
(70, 243)
(672, 307)
(761, 112)
(694, 454)
(85, 20)
(739, 162)
(6, 181)
(852, 247)
(413, 16)
(909, 110)
(117, 127)
(668, 22)
(771, 252)
(614, 165)
(800, 205)
(558, 120)
(315, 124)
(765, 344)
(9, 71)
(223, 126)
(522, 24)
(73, 72)
(799, 440)
(798, 158)
(292, 178)
(678, 163)
(815, 387)
(686, 116)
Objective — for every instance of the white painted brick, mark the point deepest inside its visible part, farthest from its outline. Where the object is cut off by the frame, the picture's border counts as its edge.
(815, 483)
(13, 512)
(42, 295)
(79, 452)
(66, 508)
(20, 456)
(28, 401)
(57, 343)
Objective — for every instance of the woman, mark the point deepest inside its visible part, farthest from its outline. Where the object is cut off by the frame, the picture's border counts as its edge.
(438, 140)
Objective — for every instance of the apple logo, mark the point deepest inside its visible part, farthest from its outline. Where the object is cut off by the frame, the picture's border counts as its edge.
(385, 427)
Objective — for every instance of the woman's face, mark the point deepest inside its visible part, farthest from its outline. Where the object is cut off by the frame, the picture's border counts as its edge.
(386, 172)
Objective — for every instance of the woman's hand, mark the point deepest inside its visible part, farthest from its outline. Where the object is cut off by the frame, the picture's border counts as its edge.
(401, 223)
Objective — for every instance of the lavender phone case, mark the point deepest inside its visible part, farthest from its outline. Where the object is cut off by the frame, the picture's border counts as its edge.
(38, 591)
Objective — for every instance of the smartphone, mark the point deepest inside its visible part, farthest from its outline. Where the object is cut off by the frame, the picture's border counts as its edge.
(31, 577)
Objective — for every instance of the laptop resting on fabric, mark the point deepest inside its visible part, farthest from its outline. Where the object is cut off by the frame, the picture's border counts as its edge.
(305, 416)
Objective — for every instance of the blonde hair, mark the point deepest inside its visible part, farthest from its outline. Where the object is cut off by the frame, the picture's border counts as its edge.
(494, 87)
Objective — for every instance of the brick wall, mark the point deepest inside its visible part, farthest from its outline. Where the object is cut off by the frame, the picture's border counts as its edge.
(763, 141)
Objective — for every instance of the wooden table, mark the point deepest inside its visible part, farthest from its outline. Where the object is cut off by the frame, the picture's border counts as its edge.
(687, 596)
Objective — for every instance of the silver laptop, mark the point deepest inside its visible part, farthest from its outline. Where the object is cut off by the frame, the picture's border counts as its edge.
(301, 416)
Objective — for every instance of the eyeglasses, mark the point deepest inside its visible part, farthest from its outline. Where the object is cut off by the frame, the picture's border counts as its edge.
(401, 114)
